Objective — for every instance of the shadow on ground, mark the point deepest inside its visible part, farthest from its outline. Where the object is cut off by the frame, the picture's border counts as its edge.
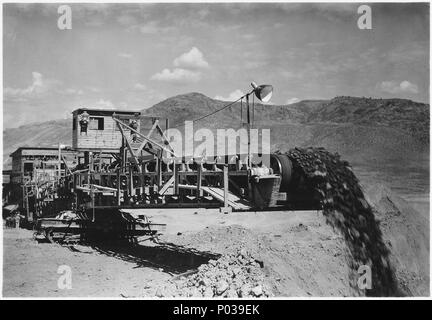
(167, 256)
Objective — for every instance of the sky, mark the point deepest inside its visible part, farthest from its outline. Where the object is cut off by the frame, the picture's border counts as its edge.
(132, 56)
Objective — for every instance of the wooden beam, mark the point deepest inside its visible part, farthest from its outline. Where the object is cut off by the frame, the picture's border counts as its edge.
(159, 172)
(134, 159)
(166, 186)
(155, 124)
(118, 187)
(218, 193)
(159, 129)
(131, 182)
(97, 187)
(199, 181)
(148, 136)
(225, 179)
(176, 178)
(66, 165)
(143, 136)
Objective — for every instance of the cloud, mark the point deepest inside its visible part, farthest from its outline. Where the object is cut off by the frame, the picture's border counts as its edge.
(395, 87)
(408, 53)
(103, 104)
(407, 86)
(233, 96)
(292, 100)
(143, 96)
(94, 89)
(140, 86)
(73, 91)
(177, 75)
(194, 59)
(126, 20)
(39, 87)
(125, 55)
(186, 68)
(248, 36)
(149, 28)
(95, 22)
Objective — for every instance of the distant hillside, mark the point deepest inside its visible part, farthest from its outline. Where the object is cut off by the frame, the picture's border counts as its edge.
(194, 105)
(46, 134)
(360, 129)
(407, 115)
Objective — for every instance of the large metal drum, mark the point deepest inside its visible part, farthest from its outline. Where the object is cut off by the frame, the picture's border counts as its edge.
(282, 165)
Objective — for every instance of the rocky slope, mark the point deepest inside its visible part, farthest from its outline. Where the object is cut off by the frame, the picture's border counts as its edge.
(406, 234)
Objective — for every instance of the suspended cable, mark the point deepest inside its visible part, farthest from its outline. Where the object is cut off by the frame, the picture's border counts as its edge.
(210, 114)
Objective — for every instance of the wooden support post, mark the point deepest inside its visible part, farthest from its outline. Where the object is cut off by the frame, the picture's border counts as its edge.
(59, 163)
(24, 194)
(118, 187)
(225, 179)
(142, 180)
(159, 172)
(91, 168)
(86, 158)
(129, 147)
(176, 178)
(27, 209)
(226, 209)
(131, 183)
(123, 154)
(199, 182)
(249, 185)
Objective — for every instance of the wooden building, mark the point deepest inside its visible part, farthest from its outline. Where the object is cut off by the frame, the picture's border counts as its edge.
(36, 170)
(40, 163)
(95, 129)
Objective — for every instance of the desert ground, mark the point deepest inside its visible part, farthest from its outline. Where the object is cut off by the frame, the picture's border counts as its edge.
(241, 254)
(193, 237)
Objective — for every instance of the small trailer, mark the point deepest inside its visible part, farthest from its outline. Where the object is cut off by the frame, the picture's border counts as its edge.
(69, 227)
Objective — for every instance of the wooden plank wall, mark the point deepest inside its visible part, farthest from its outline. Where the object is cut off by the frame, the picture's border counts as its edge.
(109, 138)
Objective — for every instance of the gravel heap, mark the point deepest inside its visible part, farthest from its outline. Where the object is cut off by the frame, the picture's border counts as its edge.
(234, 275)
(347, 210)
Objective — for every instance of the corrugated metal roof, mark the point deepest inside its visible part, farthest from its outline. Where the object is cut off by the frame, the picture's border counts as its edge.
(38, 151)
(106, 111)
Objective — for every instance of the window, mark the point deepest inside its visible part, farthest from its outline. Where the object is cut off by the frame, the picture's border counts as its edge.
(28, 166)
(96, 123)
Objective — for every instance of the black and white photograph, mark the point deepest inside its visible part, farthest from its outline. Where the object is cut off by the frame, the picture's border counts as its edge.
(215, 150)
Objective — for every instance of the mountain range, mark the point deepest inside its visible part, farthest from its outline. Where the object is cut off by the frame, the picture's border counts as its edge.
(363, 130)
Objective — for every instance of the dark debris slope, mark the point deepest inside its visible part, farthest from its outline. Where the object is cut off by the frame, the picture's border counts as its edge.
(347, 210)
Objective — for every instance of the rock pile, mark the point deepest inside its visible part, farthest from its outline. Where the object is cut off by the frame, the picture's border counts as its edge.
(231, 276)
(346, 209)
